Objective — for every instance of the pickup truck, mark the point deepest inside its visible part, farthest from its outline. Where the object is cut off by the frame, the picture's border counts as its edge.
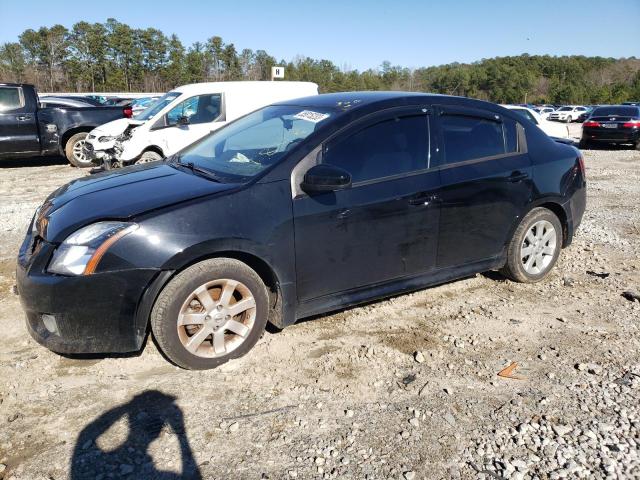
(28, 130)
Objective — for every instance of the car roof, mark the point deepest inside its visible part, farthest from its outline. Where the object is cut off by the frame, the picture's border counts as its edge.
(206, 87)
(351, 100)
(9, 84)
(358, 103)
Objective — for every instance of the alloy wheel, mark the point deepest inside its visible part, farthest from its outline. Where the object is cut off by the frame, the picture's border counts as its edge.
(78, 151)
(216, 318)
(538, 247)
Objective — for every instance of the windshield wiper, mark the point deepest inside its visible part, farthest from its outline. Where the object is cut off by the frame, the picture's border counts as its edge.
(195, 169)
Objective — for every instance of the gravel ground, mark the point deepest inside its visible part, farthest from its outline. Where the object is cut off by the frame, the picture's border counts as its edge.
(405, 388)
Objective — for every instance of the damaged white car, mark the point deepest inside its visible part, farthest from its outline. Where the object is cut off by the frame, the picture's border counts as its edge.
(183, 116)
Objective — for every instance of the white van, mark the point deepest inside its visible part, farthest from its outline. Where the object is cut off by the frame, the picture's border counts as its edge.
(183, 116)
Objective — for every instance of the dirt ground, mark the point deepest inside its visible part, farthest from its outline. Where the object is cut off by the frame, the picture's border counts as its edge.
(343, 395)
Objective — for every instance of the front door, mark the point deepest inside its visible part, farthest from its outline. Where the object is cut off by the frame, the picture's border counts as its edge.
(486, 180)
(385, 225)
(200, 111)
(18, 123)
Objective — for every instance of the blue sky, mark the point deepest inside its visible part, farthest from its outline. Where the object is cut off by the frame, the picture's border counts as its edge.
(361, 34)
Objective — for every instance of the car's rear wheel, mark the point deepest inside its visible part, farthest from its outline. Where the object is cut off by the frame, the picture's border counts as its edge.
(74, 151)
(534, 248)
(211, 312)
(148, 156)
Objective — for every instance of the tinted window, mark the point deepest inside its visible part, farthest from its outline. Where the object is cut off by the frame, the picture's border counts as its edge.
(565, 109)
(621, 111)
(395, 146)
(466, 138)
(199, 109)
(10, 98)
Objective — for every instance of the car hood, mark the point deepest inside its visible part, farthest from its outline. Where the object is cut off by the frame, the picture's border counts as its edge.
(115, 127)
(121, 194)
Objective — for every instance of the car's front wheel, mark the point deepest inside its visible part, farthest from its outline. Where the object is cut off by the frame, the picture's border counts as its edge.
(534, 247)
(209, 313)
(148, 156)
(74, 151)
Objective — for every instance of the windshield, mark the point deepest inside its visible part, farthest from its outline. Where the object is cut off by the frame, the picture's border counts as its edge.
(620, 111)
(565, 109)
(247, 146)
(156, 106)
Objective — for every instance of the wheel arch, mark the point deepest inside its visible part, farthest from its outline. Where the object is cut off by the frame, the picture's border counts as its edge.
(153, 148)
(264, 270)
(561, 213)
(71, 132)
(552, 204)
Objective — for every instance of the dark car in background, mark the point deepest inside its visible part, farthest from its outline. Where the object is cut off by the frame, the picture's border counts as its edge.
(584, 115)
(81, 98)
(30, 127)
(296, 209)
(613, 124)
(62, 102)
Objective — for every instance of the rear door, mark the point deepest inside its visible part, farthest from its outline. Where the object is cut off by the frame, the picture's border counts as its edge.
(382, 228)
(486, 183)
(18, 125)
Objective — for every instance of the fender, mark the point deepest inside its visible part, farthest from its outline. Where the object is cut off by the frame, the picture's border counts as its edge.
(282, 289)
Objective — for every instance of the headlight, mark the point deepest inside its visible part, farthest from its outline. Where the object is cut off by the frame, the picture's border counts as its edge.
(106, 138)
(81, 251)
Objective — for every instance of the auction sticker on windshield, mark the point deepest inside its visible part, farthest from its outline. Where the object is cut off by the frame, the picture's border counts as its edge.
(310, 116)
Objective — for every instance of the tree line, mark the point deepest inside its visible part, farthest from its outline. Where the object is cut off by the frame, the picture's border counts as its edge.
(113, 56)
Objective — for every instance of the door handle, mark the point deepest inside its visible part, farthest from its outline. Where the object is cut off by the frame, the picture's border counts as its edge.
(517, 176)
(23, 118)
(422, 199)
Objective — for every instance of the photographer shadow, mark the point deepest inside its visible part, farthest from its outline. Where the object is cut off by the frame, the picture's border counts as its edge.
(147, 415)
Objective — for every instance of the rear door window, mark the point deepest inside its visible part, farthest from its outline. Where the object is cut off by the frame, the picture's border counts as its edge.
(467, 137)
(11, 98)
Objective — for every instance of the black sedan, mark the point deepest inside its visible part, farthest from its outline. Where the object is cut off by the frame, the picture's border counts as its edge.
(615, 124)
(294, 210)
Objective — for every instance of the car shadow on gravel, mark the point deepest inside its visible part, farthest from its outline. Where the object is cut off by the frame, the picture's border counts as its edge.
(33, 162)
(149, 416)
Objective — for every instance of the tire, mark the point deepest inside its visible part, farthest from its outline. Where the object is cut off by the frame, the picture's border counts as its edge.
(638, 145)
(584, 144)
(178, 316)
(148, 156)
(568, 120)
(73, 151)
(523, 268)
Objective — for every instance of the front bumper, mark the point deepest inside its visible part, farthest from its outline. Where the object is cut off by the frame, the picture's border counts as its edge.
(99, 313)
(99, 153)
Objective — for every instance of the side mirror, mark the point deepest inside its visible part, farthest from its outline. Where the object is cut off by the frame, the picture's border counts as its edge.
(325, 178)
(183, 120)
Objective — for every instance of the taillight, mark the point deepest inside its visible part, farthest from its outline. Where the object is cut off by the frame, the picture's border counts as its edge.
(632, 124)
(591, 123)
(128, 112)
